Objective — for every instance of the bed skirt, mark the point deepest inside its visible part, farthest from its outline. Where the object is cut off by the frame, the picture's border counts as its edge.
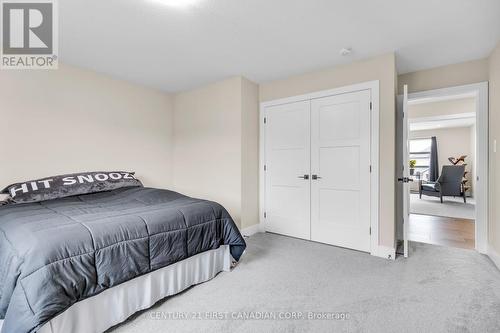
(113, 306)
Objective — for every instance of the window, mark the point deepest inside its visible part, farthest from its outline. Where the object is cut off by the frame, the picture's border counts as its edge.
(420, 151)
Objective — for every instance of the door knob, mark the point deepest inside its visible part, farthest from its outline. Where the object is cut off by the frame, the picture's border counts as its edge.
(304, 177)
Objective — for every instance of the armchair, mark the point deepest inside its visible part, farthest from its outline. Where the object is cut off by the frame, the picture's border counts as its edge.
(449, 183)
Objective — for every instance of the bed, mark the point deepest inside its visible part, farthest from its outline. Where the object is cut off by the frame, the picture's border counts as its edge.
(104, 256)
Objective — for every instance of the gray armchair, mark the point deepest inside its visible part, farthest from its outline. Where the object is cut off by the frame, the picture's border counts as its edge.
(449, 183)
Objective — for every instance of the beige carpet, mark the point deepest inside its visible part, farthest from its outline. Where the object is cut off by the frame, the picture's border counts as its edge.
(451, 207)
(437, 289)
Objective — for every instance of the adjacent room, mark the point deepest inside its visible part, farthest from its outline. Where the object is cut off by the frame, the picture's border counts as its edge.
(249, 166)
(442, 143)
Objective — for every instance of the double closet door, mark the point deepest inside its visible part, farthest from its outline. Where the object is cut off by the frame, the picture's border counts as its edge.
(317, 161)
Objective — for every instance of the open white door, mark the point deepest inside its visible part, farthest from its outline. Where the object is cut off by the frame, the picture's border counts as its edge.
(406, 173)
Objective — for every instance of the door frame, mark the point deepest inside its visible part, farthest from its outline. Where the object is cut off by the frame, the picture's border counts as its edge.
(480, 92)
(374, 86)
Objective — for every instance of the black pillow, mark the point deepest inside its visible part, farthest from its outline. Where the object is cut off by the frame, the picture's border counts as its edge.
(69, 185)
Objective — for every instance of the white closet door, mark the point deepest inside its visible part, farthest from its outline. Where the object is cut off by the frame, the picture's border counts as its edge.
(287, 133)
(340, 157)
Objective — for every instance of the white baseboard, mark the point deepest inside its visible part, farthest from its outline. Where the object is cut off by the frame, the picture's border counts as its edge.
(384, 252)
(494, 256)
(252, 230)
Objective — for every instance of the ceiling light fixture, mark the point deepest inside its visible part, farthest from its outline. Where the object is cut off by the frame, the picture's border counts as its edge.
(345, 51)
(177, 3)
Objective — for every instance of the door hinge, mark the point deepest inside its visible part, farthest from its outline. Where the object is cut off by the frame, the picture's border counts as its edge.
(370, 231)
(265, 120)
(265, 167)
(265, 215)
(371, 106)
(370, 168)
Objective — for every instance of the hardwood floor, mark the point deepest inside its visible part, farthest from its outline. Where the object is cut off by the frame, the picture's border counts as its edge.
(446, 231)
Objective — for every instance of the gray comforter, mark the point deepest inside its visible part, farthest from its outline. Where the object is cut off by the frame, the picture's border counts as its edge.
(55, 253)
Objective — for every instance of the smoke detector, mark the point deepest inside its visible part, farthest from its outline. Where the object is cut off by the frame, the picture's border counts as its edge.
(345, 51)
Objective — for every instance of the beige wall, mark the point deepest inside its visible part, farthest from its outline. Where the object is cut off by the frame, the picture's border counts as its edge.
(216, 146)
(207, 144)
(442, 108)
(71, 120)
(494, 68)
(446, 76)
(379, 68)
(454, 142)
(249, 154)
(202, 143)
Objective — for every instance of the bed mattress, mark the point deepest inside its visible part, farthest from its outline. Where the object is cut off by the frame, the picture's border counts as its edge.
(56, 253)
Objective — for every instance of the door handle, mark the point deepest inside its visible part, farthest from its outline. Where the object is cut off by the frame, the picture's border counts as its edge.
(304, 177)
(315, 177)
(405, 180)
